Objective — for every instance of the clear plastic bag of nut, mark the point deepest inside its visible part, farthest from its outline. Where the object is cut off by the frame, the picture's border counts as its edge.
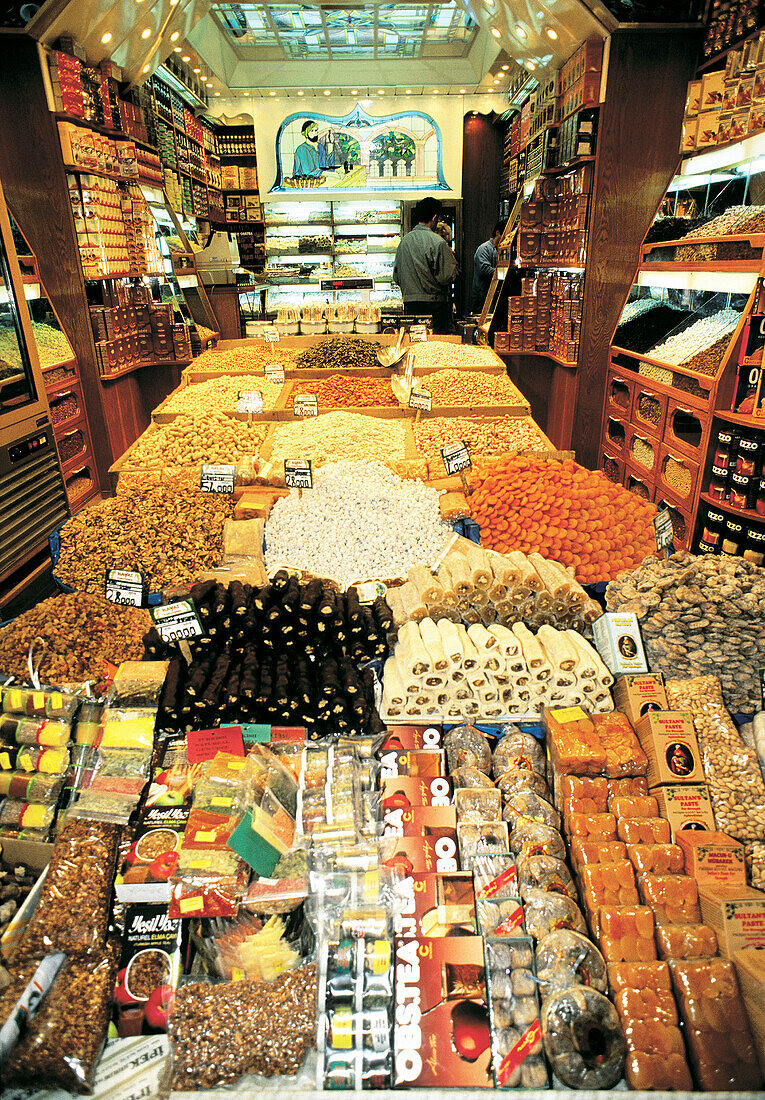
(516, 1039)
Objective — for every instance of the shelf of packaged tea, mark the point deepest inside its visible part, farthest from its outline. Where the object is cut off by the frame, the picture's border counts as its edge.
(118, 135)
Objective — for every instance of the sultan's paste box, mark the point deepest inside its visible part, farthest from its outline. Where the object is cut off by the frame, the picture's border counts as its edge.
(437, 905)
(737, 914)
(668, 739)
(441, 1032)
(686, 806)
(638, 694)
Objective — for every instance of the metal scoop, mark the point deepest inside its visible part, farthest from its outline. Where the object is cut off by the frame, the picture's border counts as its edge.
(391, 357)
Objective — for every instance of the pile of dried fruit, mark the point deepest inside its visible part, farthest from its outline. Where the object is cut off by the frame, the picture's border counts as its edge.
(82, 633)
(340, 435)
(567, 513)
(220, 394)
(170, 535)
(348, 390)
(471, 387)
(249, 357)
(483, 435)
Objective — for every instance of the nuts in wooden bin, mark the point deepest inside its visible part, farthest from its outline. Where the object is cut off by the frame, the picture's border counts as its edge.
(192, 440)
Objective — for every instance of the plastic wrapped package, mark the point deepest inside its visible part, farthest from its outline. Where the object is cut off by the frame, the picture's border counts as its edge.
(643, 830)
(493, 875)
(633, 806)
(607, 884)
(264, 1029)
(45, 703)
(643, 991)
(625, 933)
(656, 1057)
(48, 732)
(475, 805)
(138, 684)
(659, 859)
(63, 1042)
(685, 941)
(469, 777)
(530, 805)
(717, 1031)
(127, 729)
(531, 838)
(674, 899)
(732, 771)
(490, 837)
(500, 917)
(517, 745)
(565, 958)
(574, 746)
(624, 756)
(754, 855)
(88, 722)
(583, 1038)
(30, 787)
(33, 758)
(549, 873)
(15, 813)
(547, 912)
(517, 1056)
(585, 851)
(631, 787)
(592, 826)
(588, 796)
(467, 745)
(73, 910)
(250, 948)
(521, 779)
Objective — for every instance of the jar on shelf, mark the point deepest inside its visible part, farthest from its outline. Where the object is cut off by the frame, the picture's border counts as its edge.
(733, 537)
(754, 546)
(760, 502)
(742, 491)
(718, 483)
(714, 523)
(748, 456)
(725, 448)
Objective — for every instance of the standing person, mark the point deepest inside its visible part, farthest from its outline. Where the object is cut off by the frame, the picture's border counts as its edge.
(484, 266)
(425, 267)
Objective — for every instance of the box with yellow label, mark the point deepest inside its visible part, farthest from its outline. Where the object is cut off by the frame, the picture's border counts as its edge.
(685, 806)
(736, 914)
(668, 739)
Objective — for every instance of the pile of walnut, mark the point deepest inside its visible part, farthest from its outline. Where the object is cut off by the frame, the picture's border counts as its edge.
(700, 615)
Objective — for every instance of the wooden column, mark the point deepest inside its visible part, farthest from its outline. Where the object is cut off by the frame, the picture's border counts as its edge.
(36, 190)
(481, 171)
(637, 155)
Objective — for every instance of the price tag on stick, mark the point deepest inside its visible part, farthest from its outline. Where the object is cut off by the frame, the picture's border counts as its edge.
(125, 586)
(421, 399)
(305, 404)
(662, 528)
(298, 473)
(274, 374)
(271, 334)
(217, 478)
(456, 459)
(177, 620)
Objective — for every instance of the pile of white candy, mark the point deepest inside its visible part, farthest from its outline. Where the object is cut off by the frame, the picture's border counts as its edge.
(696, 338)
(445, 670)
(359, 522)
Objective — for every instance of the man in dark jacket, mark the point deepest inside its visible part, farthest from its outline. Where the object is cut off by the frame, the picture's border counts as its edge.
(425, 267)
(484, 266)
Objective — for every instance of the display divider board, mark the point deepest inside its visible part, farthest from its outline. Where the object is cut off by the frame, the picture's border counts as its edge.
(160, 415)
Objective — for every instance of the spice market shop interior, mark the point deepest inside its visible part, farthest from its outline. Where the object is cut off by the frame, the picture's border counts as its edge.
(382, 547)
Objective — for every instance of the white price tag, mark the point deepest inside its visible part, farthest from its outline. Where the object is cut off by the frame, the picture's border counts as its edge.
(217, 478)
(456, 457)
(249, 401)
(662, 529)
(305, 404)
(417, 333)
(370, 590)
(421, 399)
(125, 586)
(298, 473)
(271, 334)
(274, 374)
(177, 620)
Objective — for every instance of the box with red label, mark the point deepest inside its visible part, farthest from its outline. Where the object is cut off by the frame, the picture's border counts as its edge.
(426, 821)
(425, 765)
(419, 854)
(441, 1030)
(713, 858)
(403, 791)
(669, 741)
(441, 904)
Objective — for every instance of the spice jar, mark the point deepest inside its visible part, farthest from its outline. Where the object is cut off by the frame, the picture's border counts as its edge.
(760, 503)
(726, 441)
(732, 537)
(718, 483)
(741, 490)
(713, 527)
(754, 546)
(747, 456)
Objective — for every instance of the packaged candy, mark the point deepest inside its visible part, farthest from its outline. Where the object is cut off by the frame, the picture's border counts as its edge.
(491, 837)
(583, 1038)
(674, 899)
(478, 804)
(592, 826)
(493, 874)
(30, 786)
(565, 958)
(32, 758)
(531, 805)
(48, 732)
(516, 1037)
(608, 884)
(466, 776)
(591, 794)
(47, 703)
(532, 838)
(624, 756)
(585, 851)
(660, 859)
(644, 830)
(18, 814)
(500, 917)
(717, 1031)
(634, 786)
(521, 779)
(547, 912)
(574, 745)
(517, 745)
(466, 745)
(543, 872)
(685, 941)
(656, 1057)
(633, 806)
(646, 1004)
(625, 933)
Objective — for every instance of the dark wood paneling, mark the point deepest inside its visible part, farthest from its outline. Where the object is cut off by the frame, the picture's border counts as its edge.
(638, 142)
(481, 171)
(224, 301)
(129, 402)
(550, 390)
(36, 191)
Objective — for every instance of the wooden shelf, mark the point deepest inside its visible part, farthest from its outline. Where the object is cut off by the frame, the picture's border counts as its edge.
(236, 156)
(723, 266)
(742, 513)
(746, 420)
(757, 240)
(538, 354)
(711, 62)
(140, 366)
(118, 135)
(700, 378)
(569, 166)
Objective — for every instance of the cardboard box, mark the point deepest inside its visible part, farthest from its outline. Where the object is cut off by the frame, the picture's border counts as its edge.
(669, 741)
(404, 791)
(437, 905)
(617, 640)
(712, 88)
(708, 125)
(737, 915)
(712, 858)
(637, 694)
(442, 1020)
(750, 968)
(420, 854)
(686, 806)
(428, 764)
